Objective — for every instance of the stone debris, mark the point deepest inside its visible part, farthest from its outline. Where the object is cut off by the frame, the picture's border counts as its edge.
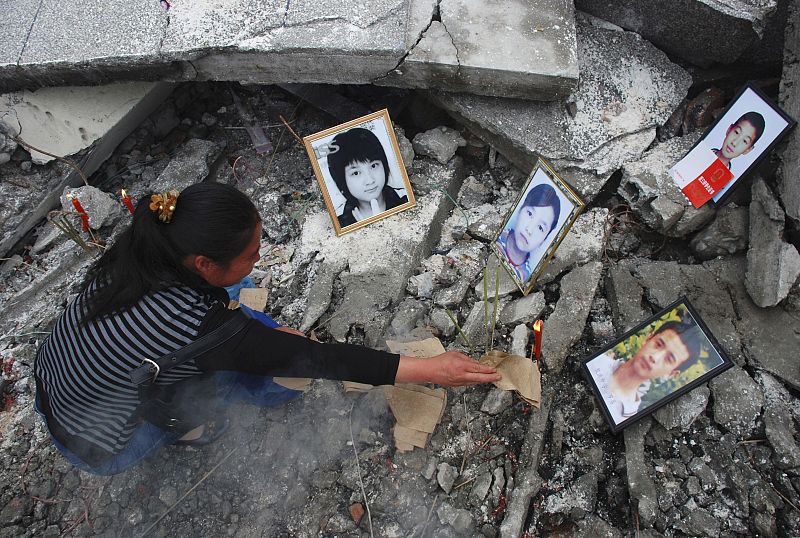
(452, 54)
(727, 234)
(650, 191)
(737, 401)
(773, 265)
(790, 102)
(583, 243)
(698, 31)
(640, 484)
(627, 87)
(721, 460)
(564, 326)
(440, 143)
(101, 208)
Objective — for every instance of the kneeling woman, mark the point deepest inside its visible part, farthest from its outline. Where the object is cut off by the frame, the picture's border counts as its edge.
(160, 288)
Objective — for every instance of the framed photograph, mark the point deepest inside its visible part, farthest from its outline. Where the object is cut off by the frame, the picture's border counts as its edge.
(542, 215)
(750, 128)
(649, 366)
(360, 171)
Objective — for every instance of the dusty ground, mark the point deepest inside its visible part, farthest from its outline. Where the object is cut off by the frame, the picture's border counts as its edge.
(291, 471)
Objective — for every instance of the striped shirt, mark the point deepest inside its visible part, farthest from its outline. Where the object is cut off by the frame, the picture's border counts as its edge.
(84, 369)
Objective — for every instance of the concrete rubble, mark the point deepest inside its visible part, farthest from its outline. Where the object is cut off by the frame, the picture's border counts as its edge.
(721, 460)
(650, 191)
(455, 52)
(790, 102)
(773, 265)
(698, 31)
(627, 88)
(418, 44)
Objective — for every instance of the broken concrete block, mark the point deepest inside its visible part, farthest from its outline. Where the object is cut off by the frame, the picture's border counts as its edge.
(773, 265)
(440, 143)
(102, 208)
(583, 243)
(789, 187)
(519, 340)
(699, 31)
(577, 500)
(461, 520)
(406, 148)
(523, 310)
(640, 485)
(683, 411)
(496, 401)
(565, 325)
(68, 119)
(737, 401)
(459, 52)
(778, 423)
(268, 43)
(627, 88)
(191, 165)
(650, 191)
(768, 336)
(475, 325)
(726, 235)
(499, 281)
(446, 476)
(27, 201)
(408, 314)
(625, 296)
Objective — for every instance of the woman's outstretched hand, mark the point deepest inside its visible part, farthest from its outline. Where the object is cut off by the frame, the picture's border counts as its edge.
(450, 369)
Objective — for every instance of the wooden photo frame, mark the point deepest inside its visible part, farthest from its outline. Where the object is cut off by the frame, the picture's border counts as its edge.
(544, 212)
(360, 171)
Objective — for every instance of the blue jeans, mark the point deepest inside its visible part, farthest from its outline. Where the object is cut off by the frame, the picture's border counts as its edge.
(232, 387)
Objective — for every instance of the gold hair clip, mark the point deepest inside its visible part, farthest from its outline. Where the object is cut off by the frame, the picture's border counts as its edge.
(164, 204)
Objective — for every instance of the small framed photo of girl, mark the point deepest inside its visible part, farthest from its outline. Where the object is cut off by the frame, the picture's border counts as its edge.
(538, 222)
(360, 171)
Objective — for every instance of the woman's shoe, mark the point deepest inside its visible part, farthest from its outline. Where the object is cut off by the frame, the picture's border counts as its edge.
(214, 429)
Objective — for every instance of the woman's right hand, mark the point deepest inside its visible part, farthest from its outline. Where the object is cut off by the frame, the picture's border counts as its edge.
(449, 369)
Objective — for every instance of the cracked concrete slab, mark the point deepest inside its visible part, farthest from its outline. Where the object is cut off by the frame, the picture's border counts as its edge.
(536, 59)
(15, 24)
(98, 118)
(64, 34)
(627, 88)
(700, 31)
(51, 43)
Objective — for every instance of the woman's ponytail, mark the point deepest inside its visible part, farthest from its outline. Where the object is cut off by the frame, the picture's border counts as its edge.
(210, 219)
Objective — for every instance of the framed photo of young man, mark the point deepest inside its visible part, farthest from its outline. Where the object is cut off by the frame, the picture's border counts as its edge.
(746, 132)
(654, 363)
(360, 171)
(540, 219)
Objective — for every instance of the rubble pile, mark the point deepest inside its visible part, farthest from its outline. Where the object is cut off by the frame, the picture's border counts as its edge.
(722, 460)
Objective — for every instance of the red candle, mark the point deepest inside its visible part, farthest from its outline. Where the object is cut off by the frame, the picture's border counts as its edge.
(537, 338)
(81, 211)
(127, 201)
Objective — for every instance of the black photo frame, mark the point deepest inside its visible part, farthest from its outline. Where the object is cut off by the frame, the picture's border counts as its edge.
(674, 340)
(748, 98)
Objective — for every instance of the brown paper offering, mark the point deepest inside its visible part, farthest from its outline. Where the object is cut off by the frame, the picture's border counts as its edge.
(518, 374)
(418, 409)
